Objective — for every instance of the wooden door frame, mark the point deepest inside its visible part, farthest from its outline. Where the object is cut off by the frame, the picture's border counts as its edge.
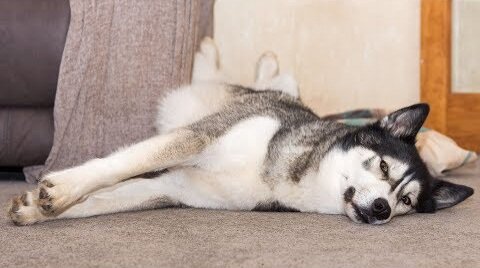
(435, 60)
(454, 114)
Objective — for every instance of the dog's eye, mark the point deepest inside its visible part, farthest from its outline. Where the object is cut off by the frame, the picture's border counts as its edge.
(384, 167)
(406, 200)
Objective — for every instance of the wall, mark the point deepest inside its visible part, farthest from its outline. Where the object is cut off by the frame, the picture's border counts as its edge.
(345, 53)
(465, 46)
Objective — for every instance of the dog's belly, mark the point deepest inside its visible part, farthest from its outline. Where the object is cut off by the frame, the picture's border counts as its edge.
(227, 174)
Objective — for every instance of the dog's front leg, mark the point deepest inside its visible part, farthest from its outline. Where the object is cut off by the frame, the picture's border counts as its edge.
(172, 188)
(134, 194)
(59, 190)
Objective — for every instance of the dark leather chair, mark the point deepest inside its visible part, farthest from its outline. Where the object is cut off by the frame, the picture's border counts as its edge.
(32, 38)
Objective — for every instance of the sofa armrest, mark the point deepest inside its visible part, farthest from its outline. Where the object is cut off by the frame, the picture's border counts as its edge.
(32, 38)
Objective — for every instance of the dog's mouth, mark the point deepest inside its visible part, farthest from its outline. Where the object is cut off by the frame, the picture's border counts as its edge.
(362, 216)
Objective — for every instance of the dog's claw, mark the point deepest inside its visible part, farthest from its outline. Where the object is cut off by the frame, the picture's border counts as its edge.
(15, 206)
(24, 199)
(43, 193)
(45, 199)
(47, 183)
(47, 207)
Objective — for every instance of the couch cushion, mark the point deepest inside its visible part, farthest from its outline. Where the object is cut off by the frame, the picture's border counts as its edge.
(26, 135)
(32, 37)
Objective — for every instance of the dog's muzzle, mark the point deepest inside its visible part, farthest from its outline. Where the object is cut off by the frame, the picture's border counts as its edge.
(378, 212)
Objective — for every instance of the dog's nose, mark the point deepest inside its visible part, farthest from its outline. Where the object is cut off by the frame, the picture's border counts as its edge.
(380, 209)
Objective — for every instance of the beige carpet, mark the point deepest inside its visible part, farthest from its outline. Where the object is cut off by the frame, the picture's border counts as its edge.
(202, 238)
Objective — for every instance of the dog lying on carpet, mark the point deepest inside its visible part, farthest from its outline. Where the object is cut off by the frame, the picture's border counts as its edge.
(224, 146)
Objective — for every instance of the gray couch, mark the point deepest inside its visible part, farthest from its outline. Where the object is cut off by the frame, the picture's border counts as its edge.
(33, 35)
(32, 38)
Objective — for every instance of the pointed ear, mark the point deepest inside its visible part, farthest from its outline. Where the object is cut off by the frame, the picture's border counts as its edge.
(406, 122)
(446, 194)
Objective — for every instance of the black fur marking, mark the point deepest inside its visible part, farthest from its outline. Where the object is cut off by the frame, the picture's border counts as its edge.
(395, 184)
(359, 215)
(348, 195)
(160, 202)
(274, 206)
(400, 193)
(367, 164)
(151, 174)
(300, 166)
(405, 123)
(447, 194)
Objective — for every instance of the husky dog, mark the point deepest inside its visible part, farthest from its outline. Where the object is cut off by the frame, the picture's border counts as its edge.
(224, 146)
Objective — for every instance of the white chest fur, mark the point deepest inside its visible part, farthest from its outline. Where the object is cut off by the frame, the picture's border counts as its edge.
(231, 167)
(242, 148)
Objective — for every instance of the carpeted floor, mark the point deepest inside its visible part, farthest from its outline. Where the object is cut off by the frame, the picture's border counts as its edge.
(202, 238)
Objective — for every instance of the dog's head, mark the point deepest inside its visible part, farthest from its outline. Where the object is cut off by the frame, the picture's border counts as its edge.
(384, 174)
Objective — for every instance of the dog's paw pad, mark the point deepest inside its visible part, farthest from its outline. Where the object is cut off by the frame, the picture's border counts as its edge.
(53, 198)
(14, 205)
(47, 197)
(47, 183)
(23, 211)
(47, 207)
(43, 194)
(24, 199)
(45, 200)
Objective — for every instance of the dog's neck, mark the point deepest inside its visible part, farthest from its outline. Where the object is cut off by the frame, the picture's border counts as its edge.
(322, 188)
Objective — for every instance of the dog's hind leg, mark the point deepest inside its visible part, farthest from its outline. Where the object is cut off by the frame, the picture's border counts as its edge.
(266, 69)
(267, 76)
(206, 65)
(59, 190)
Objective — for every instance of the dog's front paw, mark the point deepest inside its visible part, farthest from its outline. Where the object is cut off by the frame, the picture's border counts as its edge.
(23, 209)
(54, 196)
